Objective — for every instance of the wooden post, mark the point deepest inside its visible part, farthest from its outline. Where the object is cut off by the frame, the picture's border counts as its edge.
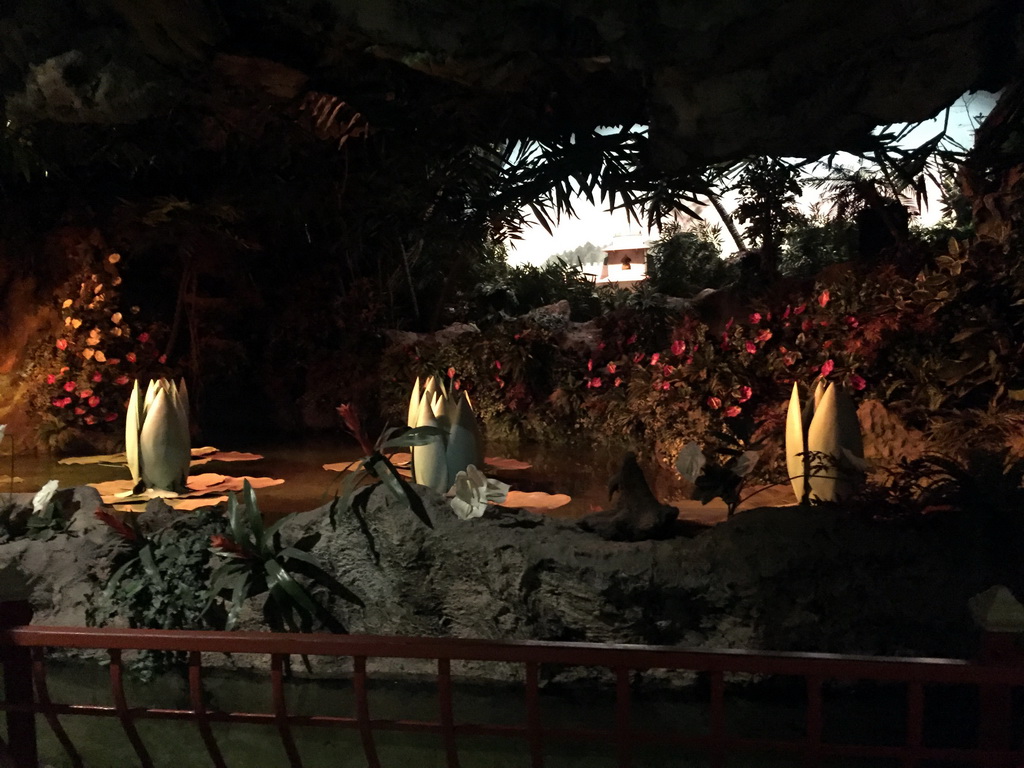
(17, 666)
(995, 726)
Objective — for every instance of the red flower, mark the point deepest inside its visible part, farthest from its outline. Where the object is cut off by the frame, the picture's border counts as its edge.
(93, 401)
(90, 419)
(764, 335)
(79, 410)
(122, 530)
(745, 393)
(638, 357)
(655, 357)
(224, 544)
(666, 370)
(497, 364)
(788, 360)
(130, 357)
(800, 310)
(612, 367)
(70, 386)
(857, 382)
(143, 338)
(85, 393)
(823, 299)
(728, 325)
(51, 378)
(62, 344)
(852, 321)
(666, 385)
(785, 314)
(57, 402)
(755, 317)
(451, 373)
(714, 403)
(96, 378)
(732, 411)
(110, 417)
(618, 381)
(350, 417)
(113, 361)
(501, 382)
(826, 367)
(678, 347)
(457, 385)
(590, 365)
(631, 340)
(725, 341)
(121, 380)
(162, 359)
(806, 325)
(595, 382)
(750, 347)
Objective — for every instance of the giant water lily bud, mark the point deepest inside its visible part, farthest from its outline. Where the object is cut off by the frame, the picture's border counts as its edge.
(157, 444)
(430, 467)
(824, 448)
(435, 405)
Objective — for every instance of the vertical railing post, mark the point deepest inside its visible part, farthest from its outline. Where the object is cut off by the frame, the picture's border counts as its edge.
(17, 665)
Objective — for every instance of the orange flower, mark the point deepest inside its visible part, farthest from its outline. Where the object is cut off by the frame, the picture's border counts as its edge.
(62, 344)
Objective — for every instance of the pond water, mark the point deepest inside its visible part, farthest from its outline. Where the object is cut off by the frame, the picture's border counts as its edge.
(581, 471)
(852, 716)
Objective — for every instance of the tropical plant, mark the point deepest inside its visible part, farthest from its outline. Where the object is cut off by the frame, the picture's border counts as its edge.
(255, 562)
(723, 475)
(157, 441)
(769, 188)
(682, 263)
(159, 580)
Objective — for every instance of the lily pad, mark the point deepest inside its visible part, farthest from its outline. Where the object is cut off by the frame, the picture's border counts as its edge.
(535, 500)
(501, 464)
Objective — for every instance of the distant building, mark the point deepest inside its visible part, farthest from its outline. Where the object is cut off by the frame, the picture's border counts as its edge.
(625, 262)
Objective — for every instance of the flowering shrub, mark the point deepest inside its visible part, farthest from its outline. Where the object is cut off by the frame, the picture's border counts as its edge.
(86, 375)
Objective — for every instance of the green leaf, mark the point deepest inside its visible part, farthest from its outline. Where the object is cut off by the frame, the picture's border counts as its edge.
(146, 558)
(413, 437)
(382, 469)
(253, 512)
(283, 580)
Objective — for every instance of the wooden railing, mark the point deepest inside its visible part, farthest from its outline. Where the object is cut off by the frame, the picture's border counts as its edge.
(23, 649)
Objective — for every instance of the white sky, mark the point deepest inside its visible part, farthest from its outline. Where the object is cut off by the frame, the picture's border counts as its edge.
(597, 226)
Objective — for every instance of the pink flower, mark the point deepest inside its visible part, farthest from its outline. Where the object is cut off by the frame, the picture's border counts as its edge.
(678, 347)
(62, 344)
(823, 298)
(143, 337)
(51, 378)
(852, 321)
(618, 382)
(96, 378)
(57, 402)
(70, 386)
(788, 360)
(800, 310)
(655, 357)
(857, 382)
(755, 317)
(90, 419)
(728, 325)
(806, 325)
(750, 347)
(79, 410)
(497, 364)
(665, 385)
(785, 314)
(121, 380)
(451, 373)
(501, 382)
(612, 367)
(85, 393)
(714, 403)
(764, 335)
(595, 382)
(631, 340)
(826, 367)
(666, 370)
(130, 357)
(725, 341)
(732, 411)
(110, 417)
(638, 357)
(457, 385)
(93, 401)
(590, 365)
(745, 393)
(162, 359)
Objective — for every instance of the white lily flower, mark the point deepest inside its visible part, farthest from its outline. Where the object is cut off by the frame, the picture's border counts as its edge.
(157, 443)
(690, 462)
(43, 498)
(437, 464)
(473, 492)
(827, 424)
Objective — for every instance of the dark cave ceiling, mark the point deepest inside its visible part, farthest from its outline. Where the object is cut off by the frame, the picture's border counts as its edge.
(715, 80)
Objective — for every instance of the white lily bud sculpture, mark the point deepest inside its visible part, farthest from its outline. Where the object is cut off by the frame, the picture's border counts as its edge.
(437, 463)
(157, 443)
(826, 427)
(473, 492)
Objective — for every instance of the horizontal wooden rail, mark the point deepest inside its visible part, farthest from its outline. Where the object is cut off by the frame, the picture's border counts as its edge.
(23, 649)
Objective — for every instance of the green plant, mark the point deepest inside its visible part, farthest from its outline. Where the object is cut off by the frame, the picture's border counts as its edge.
(684, 263)
(254, 562)
(724, 474)
(159, 580)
